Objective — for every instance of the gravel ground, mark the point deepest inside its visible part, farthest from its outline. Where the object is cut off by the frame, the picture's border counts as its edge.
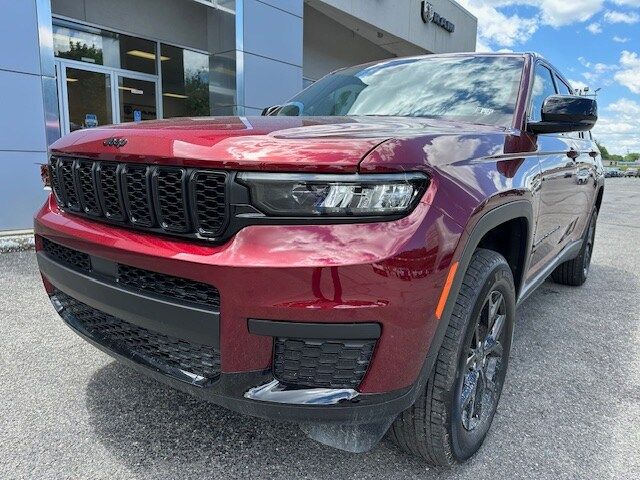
(570, 408)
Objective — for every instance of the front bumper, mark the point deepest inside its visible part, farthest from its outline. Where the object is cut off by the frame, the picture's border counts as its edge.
(324, 275)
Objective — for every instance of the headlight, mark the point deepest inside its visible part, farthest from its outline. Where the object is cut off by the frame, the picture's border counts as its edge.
(303, 195)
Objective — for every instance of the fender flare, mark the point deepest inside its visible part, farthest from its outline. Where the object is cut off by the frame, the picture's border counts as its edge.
(490, 220)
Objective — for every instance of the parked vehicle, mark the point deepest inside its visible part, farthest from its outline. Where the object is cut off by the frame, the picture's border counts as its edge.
(631, 172)
(351, 262)
(612, 172)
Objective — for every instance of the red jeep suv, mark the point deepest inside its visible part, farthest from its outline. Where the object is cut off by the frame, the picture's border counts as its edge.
(350, 261)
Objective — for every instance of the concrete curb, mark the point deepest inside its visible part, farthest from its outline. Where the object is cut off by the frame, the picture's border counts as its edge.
(18, 241)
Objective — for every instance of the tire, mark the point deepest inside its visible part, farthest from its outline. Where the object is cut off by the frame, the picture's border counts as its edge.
(574, 272)
(441, 426)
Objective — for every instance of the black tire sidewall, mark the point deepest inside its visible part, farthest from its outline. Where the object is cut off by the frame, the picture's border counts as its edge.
(465, 443)
(591, 228)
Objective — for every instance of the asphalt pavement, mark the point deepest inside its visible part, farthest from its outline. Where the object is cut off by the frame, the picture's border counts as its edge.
(570, 407)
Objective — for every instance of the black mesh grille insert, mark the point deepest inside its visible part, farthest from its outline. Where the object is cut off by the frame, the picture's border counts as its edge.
(181, 201)
(109, 191)
(170, 186)
(175, 288)
(55, 182)
(171, 355)
(88, 193)
(65, 172)
(168, 286)
(66, 255)
(321, 363)
(137, 195)
(210, 202)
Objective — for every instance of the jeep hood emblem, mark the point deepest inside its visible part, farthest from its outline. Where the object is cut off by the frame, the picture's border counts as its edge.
(115, 142)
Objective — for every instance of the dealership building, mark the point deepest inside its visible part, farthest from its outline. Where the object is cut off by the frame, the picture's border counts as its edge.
(72, 64)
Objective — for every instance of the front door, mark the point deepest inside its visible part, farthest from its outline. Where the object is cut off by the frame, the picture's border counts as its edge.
(91, 96)
(136, 100)
(561, 205)
(87, 98)
(561, 201)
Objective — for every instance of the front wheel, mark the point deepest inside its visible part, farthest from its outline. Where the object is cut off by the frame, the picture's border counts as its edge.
(450, 420)
(574, 272)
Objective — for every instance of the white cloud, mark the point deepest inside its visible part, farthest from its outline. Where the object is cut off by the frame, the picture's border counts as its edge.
(627, 3)
(613, 16)
(496, 29)
(629, 73)
(620, 39)
(482, 47)
(626, 107)
(577, 84)
(558, 13)
(598, 73)
(594, 28)
(618, 129)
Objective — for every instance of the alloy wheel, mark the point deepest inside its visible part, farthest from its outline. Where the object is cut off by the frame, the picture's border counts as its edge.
(480, 389)
(588, 249)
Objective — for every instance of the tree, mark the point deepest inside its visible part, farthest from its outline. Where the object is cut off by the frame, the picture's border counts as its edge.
(81, 51)
(603, 151)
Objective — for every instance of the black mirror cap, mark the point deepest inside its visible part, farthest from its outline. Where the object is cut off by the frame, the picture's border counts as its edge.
(566, 113)
(270, 110)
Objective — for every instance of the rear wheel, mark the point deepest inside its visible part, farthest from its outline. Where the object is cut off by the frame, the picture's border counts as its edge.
(449, 421)
(574, 272)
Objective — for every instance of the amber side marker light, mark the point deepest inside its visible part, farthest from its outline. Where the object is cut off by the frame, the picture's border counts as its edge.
(45, 175)
(446, 289)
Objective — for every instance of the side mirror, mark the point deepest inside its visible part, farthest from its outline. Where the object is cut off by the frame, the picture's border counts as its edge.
(566, 113)
(270, 110)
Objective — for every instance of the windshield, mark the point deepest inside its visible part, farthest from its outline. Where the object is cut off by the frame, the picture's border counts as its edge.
(478, 89)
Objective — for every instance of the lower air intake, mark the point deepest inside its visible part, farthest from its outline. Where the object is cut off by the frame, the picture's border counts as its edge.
(195, 363)
(321, 363)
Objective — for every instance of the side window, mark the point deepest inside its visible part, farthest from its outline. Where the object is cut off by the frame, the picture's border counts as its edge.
(542, 87)
(563, 88)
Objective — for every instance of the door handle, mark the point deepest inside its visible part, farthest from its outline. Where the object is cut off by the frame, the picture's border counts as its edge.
(573, 154)
(593, 154)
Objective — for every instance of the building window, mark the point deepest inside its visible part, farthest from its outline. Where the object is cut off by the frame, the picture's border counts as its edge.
(137, 54)
(90, 45)
(222, 86)
(185, 82)
(101, 47)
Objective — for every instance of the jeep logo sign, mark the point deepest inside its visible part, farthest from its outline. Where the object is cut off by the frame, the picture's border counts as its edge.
(429, 15)
(115, 142)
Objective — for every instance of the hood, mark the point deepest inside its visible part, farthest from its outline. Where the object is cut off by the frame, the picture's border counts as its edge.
(313, 144)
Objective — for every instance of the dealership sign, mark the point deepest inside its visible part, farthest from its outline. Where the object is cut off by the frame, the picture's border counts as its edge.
(429, 15)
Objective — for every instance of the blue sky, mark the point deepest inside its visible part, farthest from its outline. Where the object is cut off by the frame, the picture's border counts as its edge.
(595, 43)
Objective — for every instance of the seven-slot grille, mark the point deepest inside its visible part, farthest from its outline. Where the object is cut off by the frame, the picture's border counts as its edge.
(176, 200)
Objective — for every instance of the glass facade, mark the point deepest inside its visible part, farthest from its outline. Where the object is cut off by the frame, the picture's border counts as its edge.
(222, 83)
(101, 47)
(137, 99)
(89, 98)
(185, 82)
(128, 79)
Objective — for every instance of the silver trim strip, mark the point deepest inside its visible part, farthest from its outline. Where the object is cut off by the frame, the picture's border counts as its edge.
(48, 72)
(275, 392)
